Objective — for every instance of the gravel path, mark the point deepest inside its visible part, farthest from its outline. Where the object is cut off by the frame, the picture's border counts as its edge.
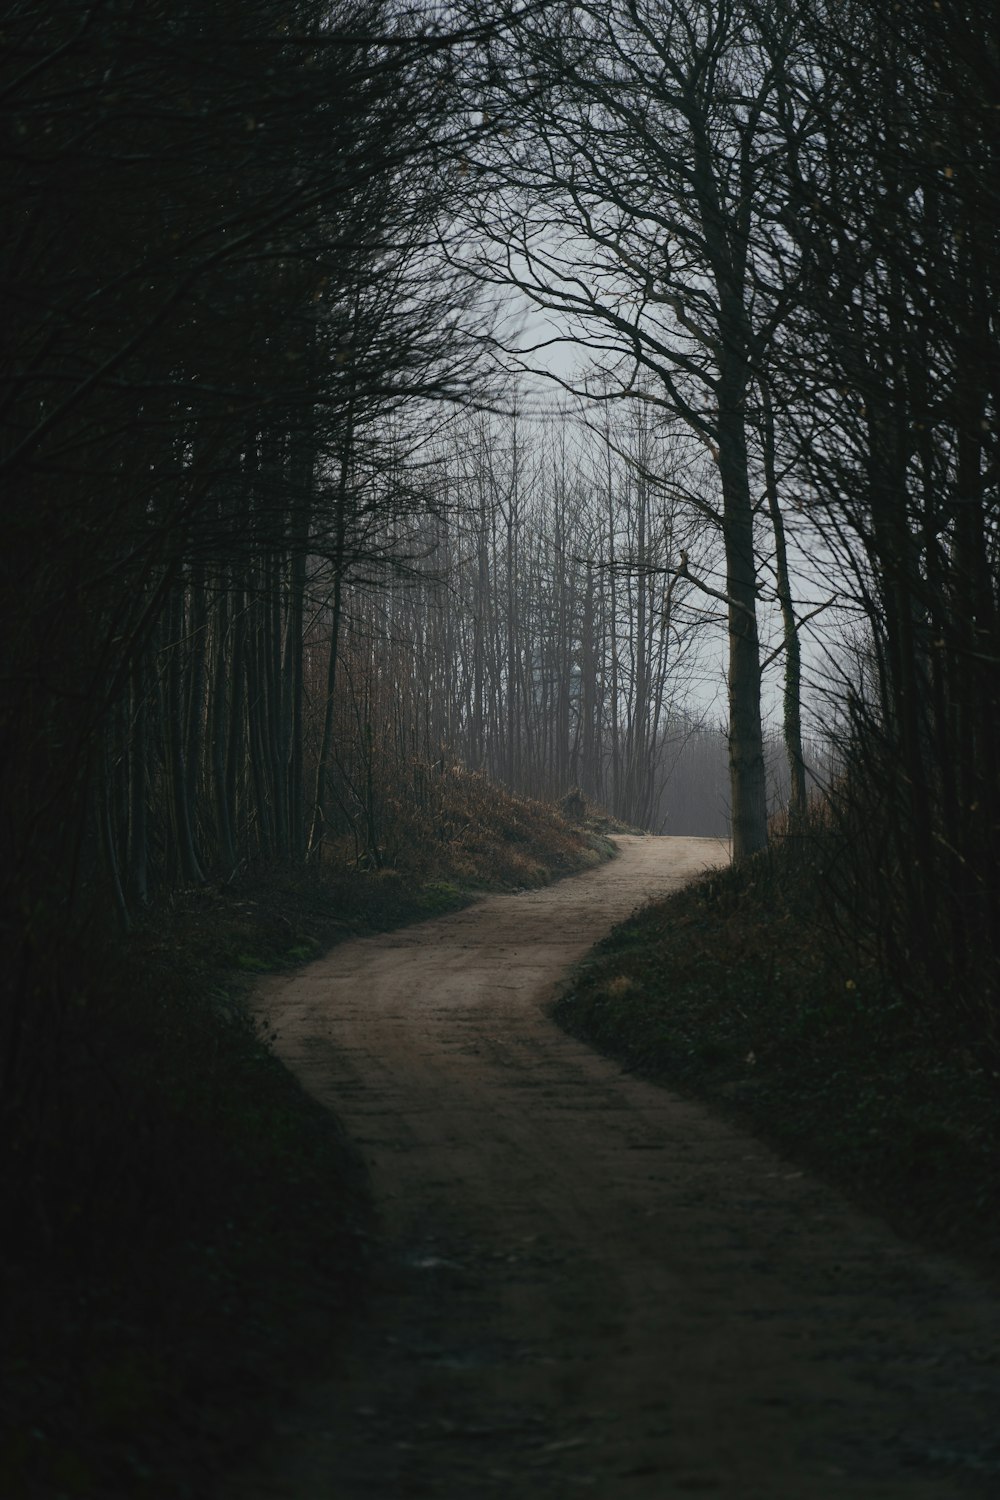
(589, 1285)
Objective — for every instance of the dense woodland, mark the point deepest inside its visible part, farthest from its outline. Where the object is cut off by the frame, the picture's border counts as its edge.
(281, 543)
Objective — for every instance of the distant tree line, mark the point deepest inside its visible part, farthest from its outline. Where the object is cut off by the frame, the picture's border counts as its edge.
(540, 637)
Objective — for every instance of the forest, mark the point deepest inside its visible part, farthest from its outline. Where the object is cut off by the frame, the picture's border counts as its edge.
(268, 485)
(597, 401)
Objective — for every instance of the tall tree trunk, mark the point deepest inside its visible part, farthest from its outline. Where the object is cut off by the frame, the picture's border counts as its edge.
(223, 641)
(317, 831)
(748, 790)
(293, 687)
(792, 716)
(236, 732)
(195, 619)
(588, 776)
(276, 726)
(138, 820)
(174, 718)
(260, 748)
(109, 842)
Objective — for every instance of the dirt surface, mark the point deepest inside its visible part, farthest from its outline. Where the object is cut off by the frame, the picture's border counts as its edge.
(591, 1286)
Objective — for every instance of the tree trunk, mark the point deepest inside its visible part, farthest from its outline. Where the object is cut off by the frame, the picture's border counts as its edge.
(221, 641)
(316, 832)
(792, 718)
(138, 823)
(174, 718)
(748, 789)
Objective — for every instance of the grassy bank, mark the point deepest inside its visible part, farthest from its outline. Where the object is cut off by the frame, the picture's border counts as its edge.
(742, 990)
(186, 1231)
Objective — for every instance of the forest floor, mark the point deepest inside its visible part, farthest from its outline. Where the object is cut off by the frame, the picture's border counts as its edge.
(182, 1223)
(585, 1283)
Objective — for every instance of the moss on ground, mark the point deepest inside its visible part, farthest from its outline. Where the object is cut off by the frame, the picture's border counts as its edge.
(740, 990)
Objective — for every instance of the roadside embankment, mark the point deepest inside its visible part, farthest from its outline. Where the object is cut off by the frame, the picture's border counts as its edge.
(742, 990)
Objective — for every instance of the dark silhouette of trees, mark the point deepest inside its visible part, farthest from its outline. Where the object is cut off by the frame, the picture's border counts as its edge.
(888, 381)
(777, 223)
(219, 283)
(217, 279)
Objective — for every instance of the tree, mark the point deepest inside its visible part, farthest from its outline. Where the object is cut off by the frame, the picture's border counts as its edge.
(887, 373)
(633, 187)
(216, 265)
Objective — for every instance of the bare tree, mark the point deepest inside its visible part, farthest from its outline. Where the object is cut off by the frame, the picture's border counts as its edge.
(213, 280)
(633, 187)
(887, 373)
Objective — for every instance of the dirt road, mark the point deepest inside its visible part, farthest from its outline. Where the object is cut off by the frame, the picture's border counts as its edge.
(591, 1286)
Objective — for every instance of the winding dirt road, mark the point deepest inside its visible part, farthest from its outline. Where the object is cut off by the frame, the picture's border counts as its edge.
(591, 1286)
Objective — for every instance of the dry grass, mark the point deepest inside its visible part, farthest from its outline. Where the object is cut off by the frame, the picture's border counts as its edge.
(456, 825)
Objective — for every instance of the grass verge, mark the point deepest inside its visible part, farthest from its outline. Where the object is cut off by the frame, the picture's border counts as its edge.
(187, 1231)
(738, 990)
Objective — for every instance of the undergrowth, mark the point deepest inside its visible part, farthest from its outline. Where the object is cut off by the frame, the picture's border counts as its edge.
(182, 1222)
(461, 827)
(746, 989)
